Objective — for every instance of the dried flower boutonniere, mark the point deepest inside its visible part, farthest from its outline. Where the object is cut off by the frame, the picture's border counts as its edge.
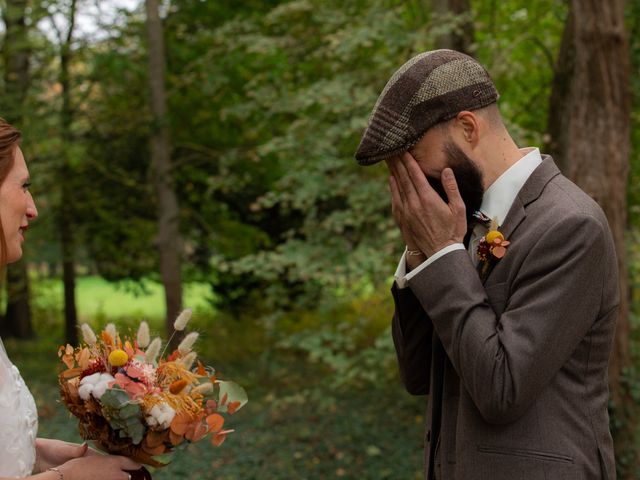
(492, 247)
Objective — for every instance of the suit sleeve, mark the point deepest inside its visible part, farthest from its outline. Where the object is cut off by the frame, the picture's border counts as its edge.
(412, 334)
(505, 361)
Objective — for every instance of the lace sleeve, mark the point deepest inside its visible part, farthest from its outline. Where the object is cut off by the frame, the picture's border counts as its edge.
(18, 421)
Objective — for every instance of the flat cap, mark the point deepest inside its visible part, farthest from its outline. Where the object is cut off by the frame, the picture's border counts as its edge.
(430, 88)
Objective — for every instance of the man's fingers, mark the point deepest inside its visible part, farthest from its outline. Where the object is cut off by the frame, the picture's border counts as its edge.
(396, 200)
(451, 189)
(418, 179)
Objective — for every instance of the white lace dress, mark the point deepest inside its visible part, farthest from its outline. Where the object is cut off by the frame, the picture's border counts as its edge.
(18, 422)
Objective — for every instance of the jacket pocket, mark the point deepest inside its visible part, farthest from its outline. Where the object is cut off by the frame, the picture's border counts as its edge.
(526, 453)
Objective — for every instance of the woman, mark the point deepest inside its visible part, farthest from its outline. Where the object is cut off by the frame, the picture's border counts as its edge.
(22, 455)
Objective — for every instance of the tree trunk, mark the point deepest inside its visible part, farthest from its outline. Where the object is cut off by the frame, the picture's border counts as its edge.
(65, 212)
(456, 14)
(589, 135)
(169, 240)
(16, 52)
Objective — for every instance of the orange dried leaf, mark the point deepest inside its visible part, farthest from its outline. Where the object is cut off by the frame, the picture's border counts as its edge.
(211, 406)
(175, 438)
(200, 430)
(83, 357)
(72, 372)
(159, 450)
(215, 422)
(106, 338)
(225, 397)
(181, 423)
(219, 438)
(177, 386)
(499, 251)
(232, 407)
(153, 438)
(201, 370)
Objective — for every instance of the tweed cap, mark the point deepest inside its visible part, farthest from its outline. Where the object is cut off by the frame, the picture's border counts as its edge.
(430, 88)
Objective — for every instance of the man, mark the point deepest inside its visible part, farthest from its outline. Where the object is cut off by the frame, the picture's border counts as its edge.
(509, 331)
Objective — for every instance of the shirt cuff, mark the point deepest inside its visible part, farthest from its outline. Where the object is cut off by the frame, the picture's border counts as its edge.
(402, 277)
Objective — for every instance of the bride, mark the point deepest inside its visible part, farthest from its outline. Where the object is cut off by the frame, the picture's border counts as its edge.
(22, 454)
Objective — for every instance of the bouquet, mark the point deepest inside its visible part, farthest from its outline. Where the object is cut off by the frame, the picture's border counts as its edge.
(132, 400)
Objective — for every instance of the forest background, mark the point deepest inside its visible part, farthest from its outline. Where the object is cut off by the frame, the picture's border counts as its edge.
(199, 153)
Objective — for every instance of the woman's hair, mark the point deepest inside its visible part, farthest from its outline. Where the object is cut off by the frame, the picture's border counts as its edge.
(9, 141)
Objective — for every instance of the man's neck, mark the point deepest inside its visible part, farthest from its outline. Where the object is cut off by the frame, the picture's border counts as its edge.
(501, 153)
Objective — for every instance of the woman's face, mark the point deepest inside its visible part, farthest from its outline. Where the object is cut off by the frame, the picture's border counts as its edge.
(16, 207)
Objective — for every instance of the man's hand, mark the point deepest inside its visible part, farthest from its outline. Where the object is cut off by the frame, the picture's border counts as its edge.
(426, 222)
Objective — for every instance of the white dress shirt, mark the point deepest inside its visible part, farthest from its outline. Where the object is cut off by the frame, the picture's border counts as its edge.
(496, 203)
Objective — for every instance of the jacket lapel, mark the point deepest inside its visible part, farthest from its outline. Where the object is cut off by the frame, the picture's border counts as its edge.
(530, 192)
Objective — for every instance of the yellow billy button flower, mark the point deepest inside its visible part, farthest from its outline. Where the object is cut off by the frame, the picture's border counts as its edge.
(118, 358)
(492, 235)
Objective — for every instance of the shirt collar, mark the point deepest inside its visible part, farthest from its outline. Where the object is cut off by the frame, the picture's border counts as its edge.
(499, 197)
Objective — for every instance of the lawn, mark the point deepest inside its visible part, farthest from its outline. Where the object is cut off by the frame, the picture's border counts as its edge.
(294, 427)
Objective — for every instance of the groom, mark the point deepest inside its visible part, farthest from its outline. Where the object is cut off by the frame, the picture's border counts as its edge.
(506, 296)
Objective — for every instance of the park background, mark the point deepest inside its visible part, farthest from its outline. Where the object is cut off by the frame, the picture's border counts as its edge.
(199, 153)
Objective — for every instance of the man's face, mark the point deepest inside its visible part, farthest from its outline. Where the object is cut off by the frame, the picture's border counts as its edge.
(436, 151)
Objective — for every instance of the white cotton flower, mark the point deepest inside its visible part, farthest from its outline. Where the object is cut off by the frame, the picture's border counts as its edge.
(203, 388)
(88, 335)
(189, 360)
(111, 330)
(143, 335)
(183, 319)
(187, 343)
(161, 416)
(94, 385)
(154, 349)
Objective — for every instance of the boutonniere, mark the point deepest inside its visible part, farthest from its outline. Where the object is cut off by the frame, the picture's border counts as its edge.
(492, 247)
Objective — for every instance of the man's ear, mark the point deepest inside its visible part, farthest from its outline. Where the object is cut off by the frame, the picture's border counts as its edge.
(469, 125)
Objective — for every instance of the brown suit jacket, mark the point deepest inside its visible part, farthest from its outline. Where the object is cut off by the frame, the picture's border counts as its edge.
(523, 381)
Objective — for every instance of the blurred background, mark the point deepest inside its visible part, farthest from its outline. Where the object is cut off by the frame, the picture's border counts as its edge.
(199, 153)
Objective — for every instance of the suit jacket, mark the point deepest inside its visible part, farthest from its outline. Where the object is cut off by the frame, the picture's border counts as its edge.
(522, 376)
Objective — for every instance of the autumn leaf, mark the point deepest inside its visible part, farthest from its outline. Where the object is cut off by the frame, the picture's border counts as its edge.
(181, 423)
(215, 422)
(175, 438)
(219, 438)
(199, 431)
(177, 386)
(232, 407)
(153, 438)
(83, 358)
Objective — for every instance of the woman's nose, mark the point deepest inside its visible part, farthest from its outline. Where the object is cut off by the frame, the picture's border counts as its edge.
(32, 211)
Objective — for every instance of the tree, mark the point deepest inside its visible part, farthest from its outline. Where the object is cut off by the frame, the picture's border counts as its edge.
(65, 216)
(16, 51)
(169, 239)
(589, 119)
(458, 21)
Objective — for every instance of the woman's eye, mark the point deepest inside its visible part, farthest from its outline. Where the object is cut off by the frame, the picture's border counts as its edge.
(25, 186)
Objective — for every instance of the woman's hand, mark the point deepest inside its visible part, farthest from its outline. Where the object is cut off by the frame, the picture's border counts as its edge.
(51, 453)
(99, 467)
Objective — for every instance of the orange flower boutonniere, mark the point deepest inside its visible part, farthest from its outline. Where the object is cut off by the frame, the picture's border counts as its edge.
(493, 246)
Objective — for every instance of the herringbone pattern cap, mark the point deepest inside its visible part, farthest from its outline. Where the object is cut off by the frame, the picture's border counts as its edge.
(430, 88)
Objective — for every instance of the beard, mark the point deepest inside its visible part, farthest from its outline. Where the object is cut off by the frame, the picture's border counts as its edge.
(468, 177)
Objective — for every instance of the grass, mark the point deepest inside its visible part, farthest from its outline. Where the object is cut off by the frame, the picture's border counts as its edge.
(294, 426)
(98, 298)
